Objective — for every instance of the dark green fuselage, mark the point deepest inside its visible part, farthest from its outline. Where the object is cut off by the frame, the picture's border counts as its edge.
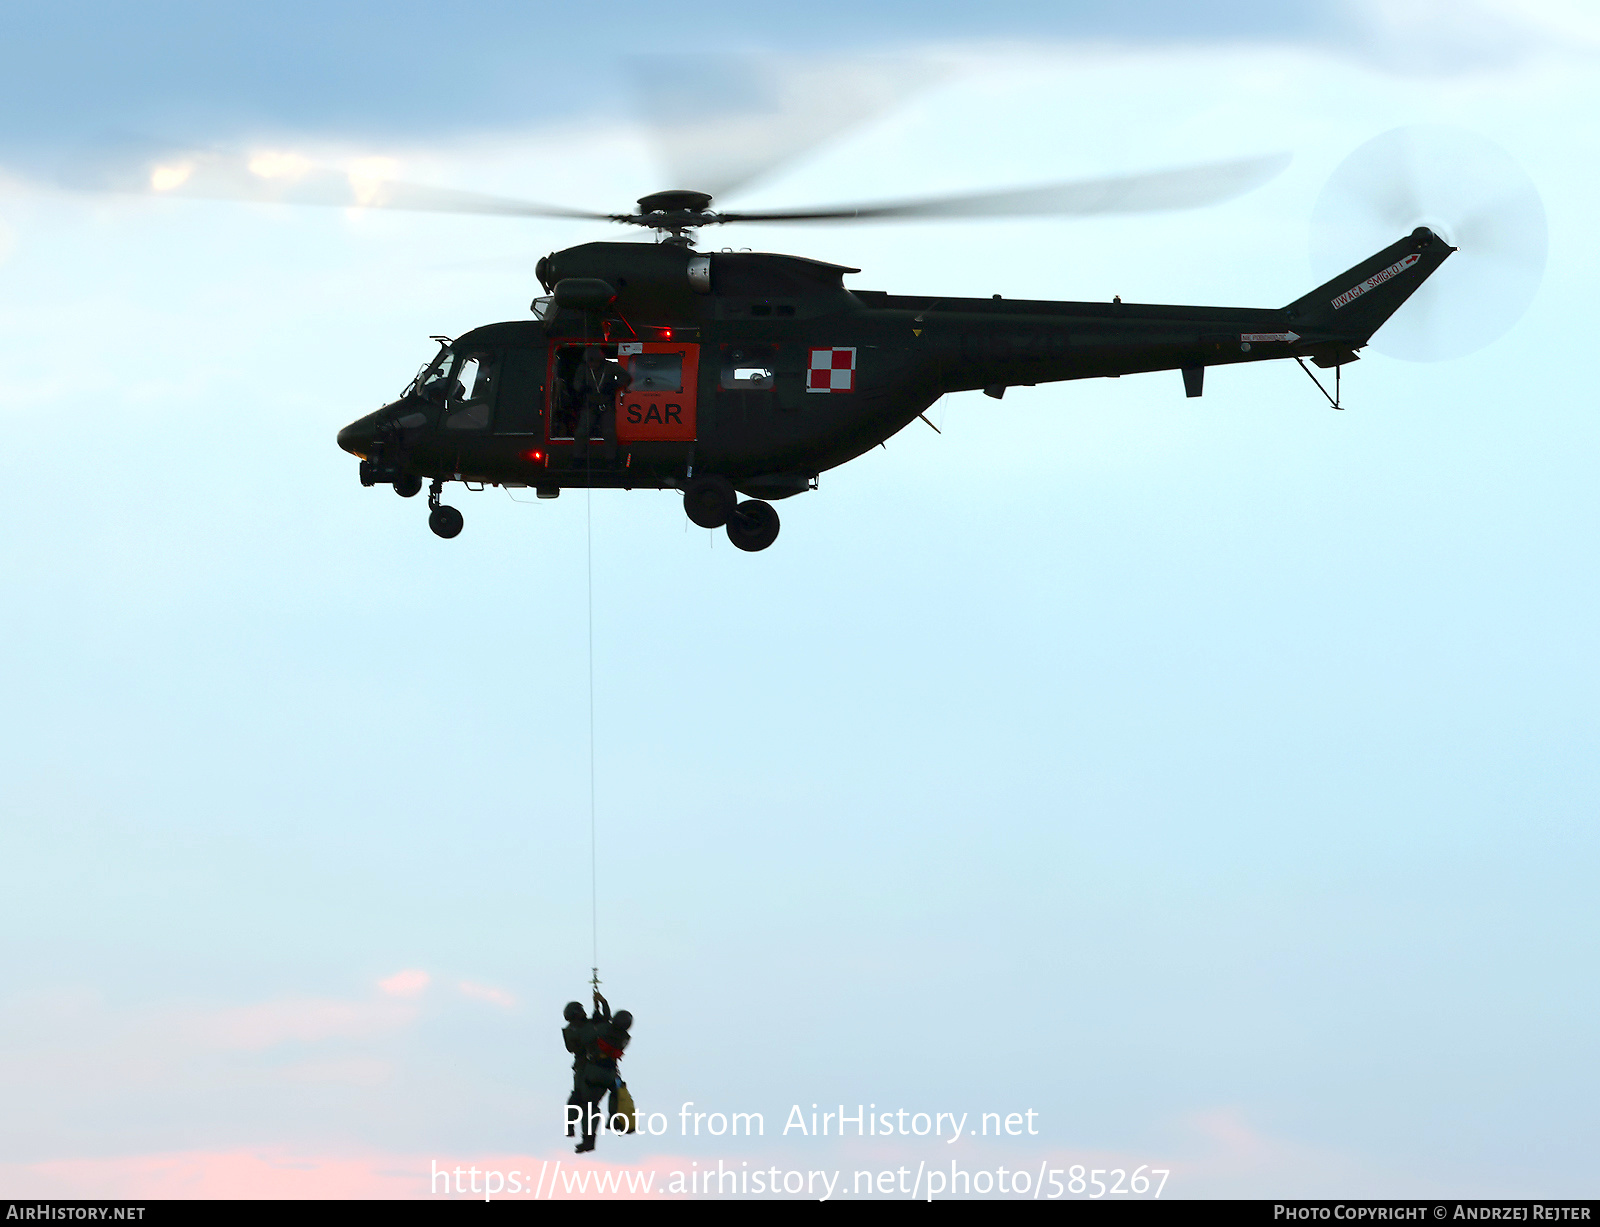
(772, 435)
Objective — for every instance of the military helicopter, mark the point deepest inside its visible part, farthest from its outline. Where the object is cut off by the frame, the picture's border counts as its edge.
(753, 373)
(746, 375)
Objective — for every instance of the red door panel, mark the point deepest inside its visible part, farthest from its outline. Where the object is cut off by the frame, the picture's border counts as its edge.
(660, 405)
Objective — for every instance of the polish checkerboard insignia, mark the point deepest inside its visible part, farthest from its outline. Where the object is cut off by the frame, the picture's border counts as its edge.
(832, 370)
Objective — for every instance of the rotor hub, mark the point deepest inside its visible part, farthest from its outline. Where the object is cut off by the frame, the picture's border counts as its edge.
(675, 201)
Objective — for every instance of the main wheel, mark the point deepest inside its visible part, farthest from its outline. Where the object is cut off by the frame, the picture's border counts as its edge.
(709, 500)
(408, 485)
(753, 525)
(445, 521)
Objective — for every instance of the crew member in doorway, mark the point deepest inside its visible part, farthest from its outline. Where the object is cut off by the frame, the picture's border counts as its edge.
(594, 390)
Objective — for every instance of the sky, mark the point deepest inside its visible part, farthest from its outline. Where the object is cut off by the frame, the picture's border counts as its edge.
(1214, 779)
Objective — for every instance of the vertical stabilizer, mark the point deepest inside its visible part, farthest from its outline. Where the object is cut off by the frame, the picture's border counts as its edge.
(1355, 304)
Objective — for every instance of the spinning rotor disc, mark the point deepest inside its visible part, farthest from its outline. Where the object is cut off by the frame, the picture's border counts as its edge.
(1466, 189)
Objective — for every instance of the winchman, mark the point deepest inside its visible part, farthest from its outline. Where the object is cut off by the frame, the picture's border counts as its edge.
(579, 1037)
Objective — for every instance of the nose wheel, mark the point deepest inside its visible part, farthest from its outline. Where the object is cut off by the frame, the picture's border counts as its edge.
(445, 521)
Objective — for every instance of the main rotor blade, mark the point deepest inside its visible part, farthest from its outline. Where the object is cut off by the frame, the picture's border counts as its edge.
(283, 178)
(1185, 188)
(720, 120)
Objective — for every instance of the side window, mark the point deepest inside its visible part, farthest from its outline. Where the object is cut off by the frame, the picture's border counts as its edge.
(749, 367)
(656, 372)
(473, 390)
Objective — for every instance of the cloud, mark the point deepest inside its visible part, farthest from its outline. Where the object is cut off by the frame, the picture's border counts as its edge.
(348, 1071)
(1425, 36)
(1227, 1156)
(1560, 20)
(306, 1020)
(280, 1173)
(482, 992)
(183, 71)
(410, 983)
(210, 1174)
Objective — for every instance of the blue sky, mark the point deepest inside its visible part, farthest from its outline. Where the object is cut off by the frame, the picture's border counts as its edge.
(1214, 777)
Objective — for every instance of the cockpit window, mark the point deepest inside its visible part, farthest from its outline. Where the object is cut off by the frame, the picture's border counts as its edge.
(458, 377)
(436, 382)
(429, 370)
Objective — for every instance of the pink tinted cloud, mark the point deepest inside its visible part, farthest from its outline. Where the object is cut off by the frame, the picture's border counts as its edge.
(408, 983)
(282, 1174)
(251, 1028)
(483, 992)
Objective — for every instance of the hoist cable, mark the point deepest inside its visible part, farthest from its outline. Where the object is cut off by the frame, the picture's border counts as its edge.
(594, 875)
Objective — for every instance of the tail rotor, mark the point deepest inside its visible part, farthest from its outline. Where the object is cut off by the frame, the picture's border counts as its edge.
(1472, 194)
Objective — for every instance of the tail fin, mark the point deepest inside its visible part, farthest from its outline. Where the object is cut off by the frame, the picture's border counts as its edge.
(1353, 306)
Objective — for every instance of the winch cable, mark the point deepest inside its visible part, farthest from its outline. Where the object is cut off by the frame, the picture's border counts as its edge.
(588, 544)
(594, 873)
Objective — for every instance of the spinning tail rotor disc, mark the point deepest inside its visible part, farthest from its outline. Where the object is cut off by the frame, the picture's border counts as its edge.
(1464, 188)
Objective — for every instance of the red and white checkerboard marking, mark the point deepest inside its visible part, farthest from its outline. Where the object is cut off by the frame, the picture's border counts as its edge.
(832, 370)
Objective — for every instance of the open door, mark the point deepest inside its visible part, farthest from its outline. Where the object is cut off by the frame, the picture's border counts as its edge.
(658, 406)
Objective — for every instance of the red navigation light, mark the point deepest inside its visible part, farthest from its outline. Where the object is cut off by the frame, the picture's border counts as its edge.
(535, 455)
(667, 333)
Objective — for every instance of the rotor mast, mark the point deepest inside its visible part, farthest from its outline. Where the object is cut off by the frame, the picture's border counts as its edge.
(677, 213)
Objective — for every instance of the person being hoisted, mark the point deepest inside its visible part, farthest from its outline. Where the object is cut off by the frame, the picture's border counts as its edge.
(610, 1040)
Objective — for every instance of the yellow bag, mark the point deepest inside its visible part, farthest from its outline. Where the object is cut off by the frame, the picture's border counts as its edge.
(626, 1109)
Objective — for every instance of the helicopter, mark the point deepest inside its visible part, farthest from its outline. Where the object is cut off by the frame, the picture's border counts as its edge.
(749, 374)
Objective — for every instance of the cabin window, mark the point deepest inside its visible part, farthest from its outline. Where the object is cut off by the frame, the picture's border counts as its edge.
(749, 367)
(656, 372)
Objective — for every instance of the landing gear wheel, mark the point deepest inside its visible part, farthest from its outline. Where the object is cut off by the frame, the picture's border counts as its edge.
(753, 525)
(445, 521)
(408, 486)
(709, 500)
